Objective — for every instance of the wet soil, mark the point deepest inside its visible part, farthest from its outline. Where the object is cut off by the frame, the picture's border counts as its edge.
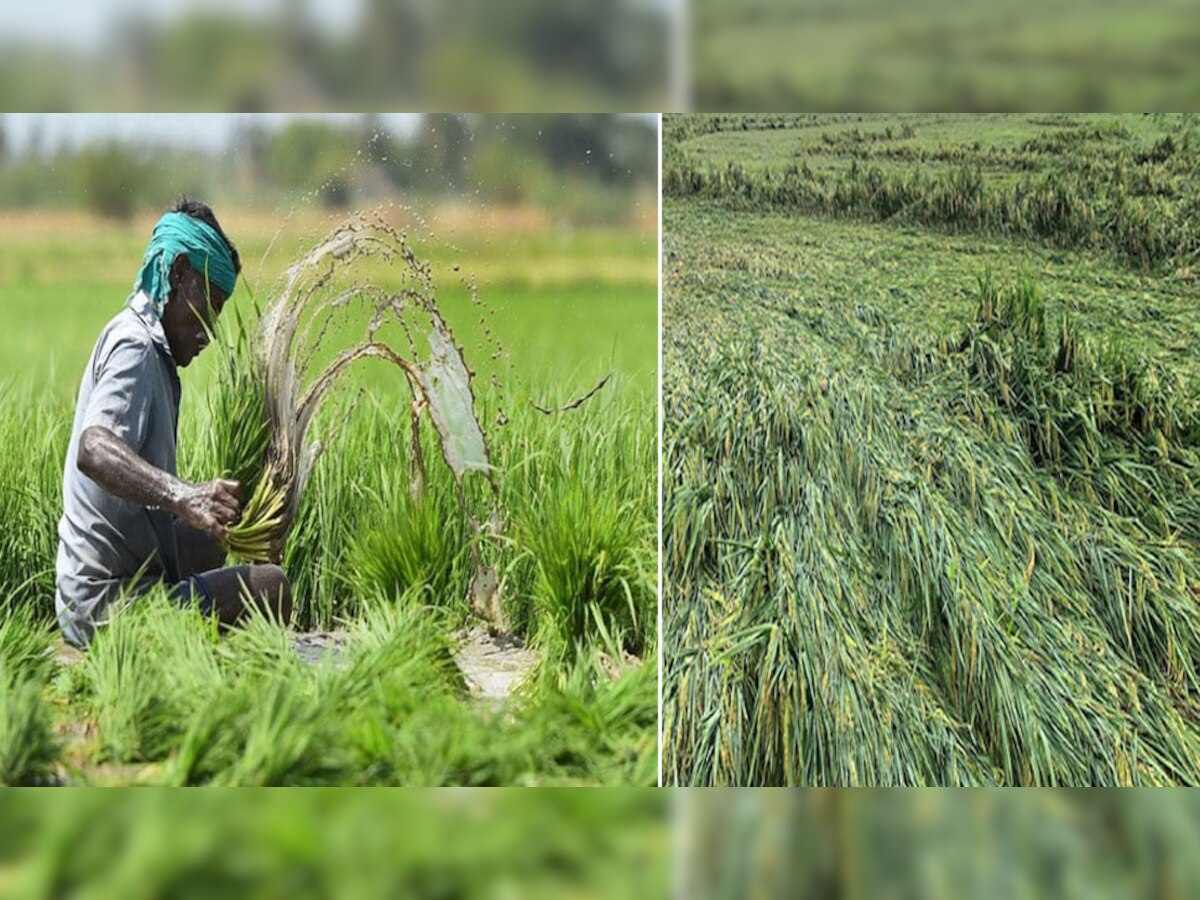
(315, 646)
(494, 665)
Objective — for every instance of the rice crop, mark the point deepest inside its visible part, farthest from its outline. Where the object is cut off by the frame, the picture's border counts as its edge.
(35, 431)
(1124, 189)
(28, 748)
(393, 708)
(930, 540)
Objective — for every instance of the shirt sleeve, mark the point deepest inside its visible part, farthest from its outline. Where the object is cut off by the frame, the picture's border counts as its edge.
(121, 399)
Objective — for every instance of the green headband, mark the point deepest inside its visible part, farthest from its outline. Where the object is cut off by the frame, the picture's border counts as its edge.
(206, 251)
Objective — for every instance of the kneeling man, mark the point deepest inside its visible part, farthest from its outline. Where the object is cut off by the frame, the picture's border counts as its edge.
(128, 521)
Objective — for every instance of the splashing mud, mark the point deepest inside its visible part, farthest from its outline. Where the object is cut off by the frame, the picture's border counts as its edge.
(325, 285)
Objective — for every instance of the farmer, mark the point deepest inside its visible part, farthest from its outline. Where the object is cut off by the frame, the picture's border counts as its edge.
(128, 521)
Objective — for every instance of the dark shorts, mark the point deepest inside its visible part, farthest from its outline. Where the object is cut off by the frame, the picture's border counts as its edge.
(194, 591)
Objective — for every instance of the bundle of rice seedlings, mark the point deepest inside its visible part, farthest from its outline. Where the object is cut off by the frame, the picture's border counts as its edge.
(235, 443)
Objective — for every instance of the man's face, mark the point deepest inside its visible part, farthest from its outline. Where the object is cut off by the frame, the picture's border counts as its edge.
(192, 313)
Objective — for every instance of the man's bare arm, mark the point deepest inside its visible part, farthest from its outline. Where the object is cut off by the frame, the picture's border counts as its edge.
(116, 467)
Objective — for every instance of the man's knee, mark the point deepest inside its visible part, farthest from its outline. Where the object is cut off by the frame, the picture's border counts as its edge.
(271, 582)
(271, 578)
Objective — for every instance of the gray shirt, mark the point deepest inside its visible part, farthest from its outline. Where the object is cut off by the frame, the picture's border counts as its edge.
(108, 546)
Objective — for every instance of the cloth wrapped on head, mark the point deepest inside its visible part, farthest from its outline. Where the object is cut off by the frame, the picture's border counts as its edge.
(206, 252)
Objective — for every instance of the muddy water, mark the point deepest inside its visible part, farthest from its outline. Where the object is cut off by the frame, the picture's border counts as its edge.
(494, 665)
(319, 646)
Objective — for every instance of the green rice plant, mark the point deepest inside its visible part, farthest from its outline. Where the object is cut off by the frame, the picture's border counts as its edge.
(592, 729)
(580, 514)
(145, 670)
(330, 514)
(274, 719)
(389, 708)
(585, 551)
(361, 526)
(607, 721)
(33, 442)
(269, 732)
(411, 542)
(403, 640)
(25, 642)
(260, 722)
(28, 748)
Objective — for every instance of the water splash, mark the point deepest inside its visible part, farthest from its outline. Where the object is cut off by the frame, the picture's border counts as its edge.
(317, 290)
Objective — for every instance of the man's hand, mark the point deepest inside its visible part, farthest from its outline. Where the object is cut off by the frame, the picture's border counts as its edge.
(210, 507)
(118, 468)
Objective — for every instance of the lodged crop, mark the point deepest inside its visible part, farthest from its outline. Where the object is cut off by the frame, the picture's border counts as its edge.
(919, 536)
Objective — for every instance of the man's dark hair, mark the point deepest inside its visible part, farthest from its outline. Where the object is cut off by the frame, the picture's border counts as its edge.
(202, 211)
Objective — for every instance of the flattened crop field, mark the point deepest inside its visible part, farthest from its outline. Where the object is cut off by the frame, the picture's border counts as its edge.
(932, 445)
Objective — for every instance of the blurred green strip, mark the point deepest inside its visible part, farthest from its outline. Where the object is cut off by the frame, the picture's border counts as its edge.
(937, 844)
(329, 843)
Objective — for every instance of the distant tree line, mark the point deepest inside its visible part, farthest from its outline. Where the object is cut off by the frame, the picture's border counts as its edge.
(393, 54)
(536, 159)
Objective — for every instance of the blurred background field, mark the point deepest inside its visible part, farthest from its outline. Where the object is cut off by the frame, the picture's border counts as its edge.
(560, 298)
(541, 237)
(529, 55)
(554, 219)
(872, 55)
(537, 55)
(708, 845)
(851, 845)
(322, 843)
